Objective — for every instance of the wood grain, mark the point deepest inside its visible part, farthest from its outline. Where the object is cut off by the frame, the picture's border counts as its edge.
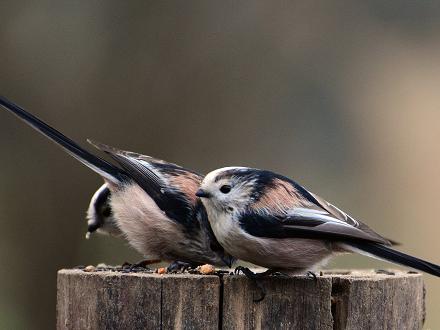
(375, 301)
(288, 304)
(335, 300)
(109, 300)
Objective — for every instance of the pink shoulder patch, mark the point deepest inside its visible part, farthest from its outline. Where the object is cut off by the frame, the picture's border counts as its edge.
(187, 183)
(282, 196)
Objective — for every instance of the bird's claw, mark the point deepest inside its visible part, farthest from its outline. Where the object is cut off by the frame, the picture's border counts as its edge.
(280, 275)
(246, 271)
(138, 266)
(179, 267)
(254, 278)
(142, 264)
(312, 275)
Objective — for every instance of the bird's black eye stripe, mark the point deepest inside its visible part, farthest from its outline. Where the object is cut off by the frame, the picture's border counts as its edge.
(225, 188)
(107, 211)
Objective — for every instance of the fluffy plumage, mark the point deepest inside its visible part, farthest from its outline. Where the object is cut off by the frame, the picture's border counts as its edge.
(272, 221)
(151, 202)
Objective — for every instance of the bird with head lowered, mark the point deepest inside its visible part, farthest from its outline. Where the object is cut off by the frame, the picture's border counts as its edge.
(151, 202)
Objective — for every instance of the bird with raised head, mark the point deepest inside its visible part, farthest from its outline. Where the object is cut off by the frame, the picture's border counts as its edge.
(270, 220)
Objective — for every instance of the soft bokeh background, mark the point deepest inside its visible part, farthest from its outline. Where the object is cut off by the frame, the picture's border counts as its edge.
(344, 97)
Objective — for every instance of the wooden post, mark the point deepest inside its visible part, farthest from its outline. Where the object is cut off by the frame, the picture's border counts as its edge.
(335, 300)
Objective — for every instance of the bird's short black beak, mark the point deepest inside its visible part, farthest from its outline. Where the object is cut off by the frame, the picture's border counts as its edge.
(91, 228)
(203, 194)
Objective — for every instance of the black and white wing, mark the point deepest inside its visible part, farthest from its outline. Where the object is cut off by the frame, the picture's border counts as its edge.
(301, 214)
(281, 209)
(172, 187)
(304, 223)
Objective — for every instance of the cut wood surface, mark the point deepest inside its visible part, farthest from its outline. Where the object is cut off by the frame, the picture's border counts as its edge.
(335, 300)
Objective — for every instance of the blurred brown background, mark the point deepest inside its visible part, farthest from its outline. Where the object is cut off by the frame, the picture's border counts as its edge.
(344, 97)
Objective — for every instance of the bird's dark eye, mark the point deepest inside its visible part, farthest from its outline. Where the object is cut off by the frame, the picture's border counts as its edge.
(225, 188)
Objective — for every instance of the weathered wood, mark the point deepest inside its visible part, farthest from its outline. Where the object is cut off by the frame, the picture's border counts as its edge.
(190, 302)
(109, 300)
(363, 301)
(288, 304)
(342, 300)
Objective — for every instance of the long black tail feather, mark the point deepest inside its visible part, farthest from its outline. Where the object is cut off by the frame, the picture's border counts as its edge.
(389, 254)
(100, 166)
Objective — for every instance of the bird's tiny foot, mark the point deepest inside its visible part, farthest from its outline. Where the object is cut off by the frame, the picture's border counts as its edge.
(250, 274)
(254, 277)
(246, 271)
(311, 274)
(179, 266)
(138, 266)
(280, 275)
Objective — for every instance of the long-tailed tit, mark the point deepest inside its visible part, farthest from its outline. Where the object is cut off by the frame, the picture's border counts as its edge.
(269, 220)
(150, 201)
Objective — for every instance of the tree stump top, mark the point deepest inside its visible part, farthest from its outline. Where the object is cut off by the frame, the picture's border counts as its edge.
(356, 299)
